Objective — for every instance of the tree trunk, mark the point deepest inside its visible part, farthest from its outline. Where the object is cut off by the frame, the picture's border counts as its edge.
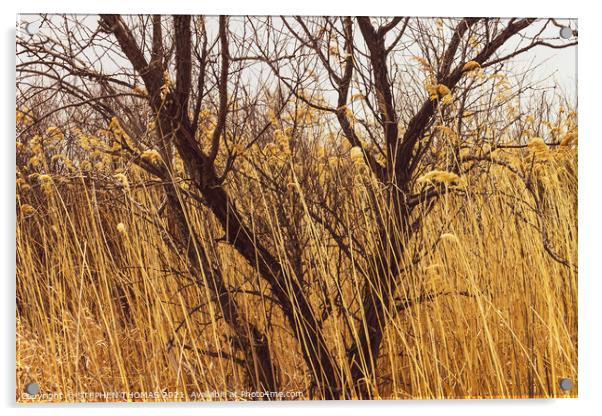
(378, 294)
(259, 366)
(286, 289)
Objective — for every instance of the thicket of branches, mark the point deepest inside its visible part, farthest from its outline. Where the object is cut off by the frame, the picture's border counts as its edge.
(248, 119)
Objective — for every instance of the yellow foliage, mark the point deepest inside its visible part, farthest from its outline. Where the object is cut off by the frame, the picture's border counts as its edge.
(283, 140)
(443, 177)
(447, 132)
(443, 90)
(55, 133)
(471, 66)
(424, 63)
(118, 131)
(27, 209)
(85, 165)
(447, 99)
(45, 183)
(356, 154)
(24, 116)
(151, 156)
(539, 148)
(122, 179)
(139, 90)
(439, 91)
(568, 139)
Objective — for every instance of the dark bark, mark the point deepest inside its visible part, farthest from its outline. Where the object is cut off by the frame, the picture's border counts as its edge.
(286, 289)
(174, 122)
(259, 365)
(394, 230)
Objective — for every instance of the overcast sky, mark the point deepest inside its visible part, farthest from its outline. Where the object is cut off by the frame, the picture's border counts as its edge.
(555, 66)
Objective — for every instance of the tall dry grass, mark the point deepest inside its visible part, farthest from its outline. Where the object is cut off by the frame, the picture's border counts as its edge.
(105, 302)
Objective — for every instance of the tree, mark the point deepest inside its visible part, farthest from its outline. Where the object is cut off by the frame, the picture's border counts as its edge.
(213, 90)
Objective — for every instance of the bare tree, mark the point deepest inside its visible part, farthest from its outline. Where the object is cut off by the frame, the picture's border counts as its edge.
(119, 72)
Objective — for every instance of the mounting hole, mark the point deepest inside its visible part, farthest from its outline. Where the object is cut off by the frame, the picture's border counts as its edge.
(566, 32)
(32, 28)
(566, 384)
(32, 388)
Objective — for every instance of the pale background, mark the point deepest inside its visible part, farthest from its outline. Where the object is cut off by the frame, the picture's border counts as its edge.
(590, 288)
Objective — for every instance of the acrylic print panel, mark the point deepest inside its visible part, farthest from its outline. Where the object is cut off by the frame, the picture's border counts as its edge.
(295, 208)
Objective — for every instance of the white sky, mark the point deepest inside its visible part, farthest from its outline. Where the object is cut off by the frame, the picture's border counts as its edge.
(555, 66)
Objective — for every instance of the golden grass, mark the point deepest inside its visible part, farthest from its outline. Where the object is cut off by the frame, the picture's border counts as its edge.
(103, 296)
